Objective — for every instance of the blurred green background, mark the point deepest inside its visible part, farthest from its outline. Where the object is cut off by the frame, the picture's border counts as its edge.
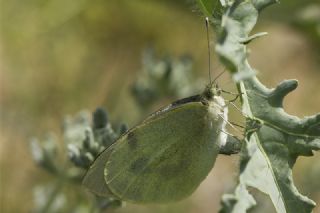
(59, 57)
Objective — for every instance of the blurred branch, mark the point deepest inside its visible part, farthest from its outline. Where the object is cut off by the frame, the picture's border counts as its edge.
(83, 143)
(164, 77)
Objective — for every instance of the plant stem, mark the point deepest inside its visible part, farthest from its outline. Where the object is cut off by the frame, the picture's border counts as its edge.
(58, 186)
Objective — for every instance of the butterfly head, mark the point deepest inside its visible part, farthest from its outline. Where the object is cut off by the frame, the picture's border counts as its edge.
(211, 91)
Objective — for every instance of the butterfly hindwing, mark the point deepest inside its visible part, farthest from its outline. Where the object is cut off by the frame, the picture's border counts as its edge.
(166, 157)
(94, 178)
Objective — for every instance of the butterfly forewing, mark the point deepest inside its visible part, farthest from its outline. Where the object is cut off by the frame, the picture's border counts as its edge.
(165, 158)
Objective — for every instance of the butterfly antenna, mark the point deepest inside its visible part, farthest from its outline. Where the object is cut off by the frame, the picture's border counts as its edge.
(209, 55)
(209, 52)
(219, 75)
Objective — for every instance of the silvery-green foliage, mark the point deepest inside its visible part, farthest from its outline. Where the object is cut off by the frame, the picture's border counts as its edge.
(84, 140)
(164, 77)
(42, 195)
(44, 153)
(270, 152)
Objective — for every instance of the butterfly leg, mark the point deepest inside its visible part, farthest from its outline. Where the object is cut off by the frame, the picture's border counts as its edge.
(238, 125)
(236, 107)
(230, 124)
(237, 95)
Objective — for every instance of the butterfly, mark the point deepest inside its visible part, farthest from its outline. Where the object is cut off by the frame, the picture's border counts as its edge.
(165, 157)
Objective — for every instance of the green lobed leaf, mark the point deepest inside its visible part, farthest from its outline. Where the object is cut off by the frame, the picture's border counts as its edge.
(275, 147)
(237, 22)
(270, 153)
(241, 201)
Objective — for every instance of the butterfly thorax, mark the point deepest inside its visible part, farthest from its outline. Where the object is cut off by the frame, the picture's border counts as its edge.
(217, 109)
(215, 102)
